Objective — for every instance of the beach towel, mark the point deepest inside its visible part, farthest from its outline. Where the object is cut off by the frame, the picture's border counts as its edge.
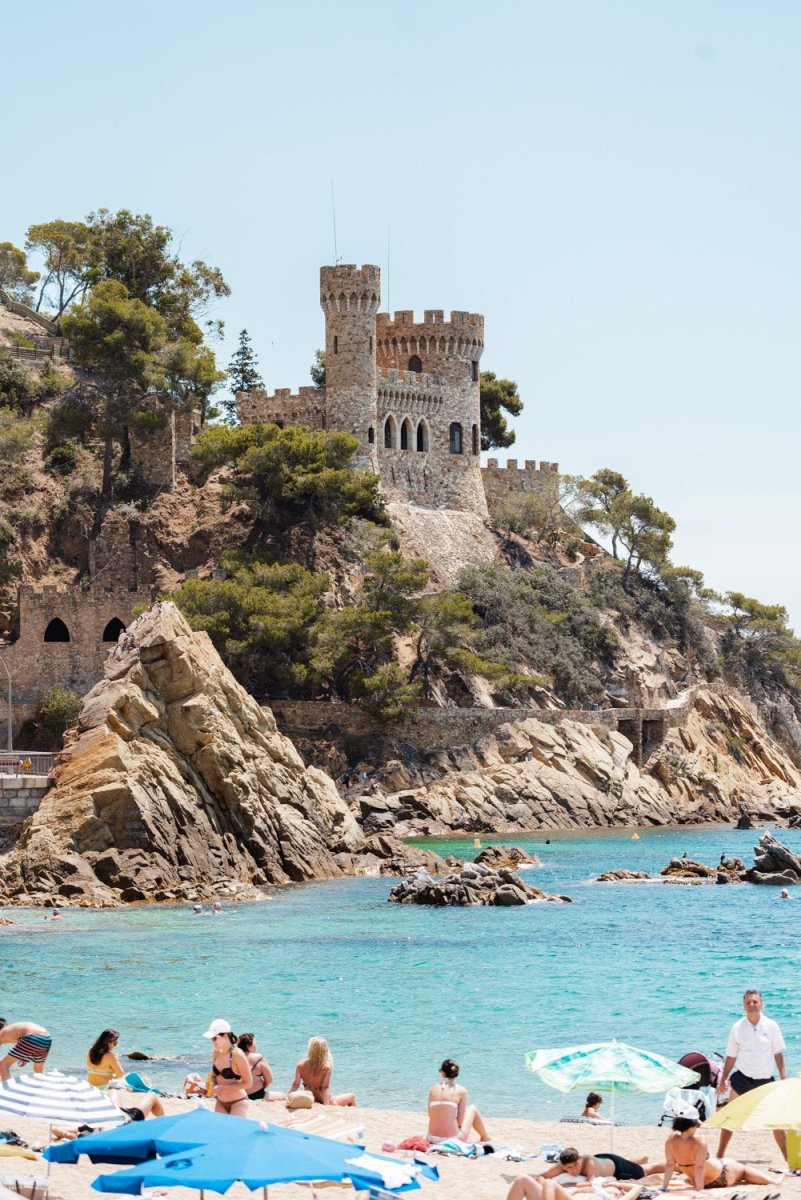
(139, 1083)
(456, 1146)
(418, 1143)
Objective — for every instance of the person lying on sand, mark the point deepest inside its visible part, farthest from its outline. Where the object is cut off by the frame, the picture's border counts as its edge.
(686, 1151)
(137, 1108)
(527, 1187)
(595, 1166)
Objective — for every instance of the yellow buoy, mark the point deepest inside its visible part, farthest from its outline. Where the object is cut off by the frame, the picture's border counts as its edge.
(635, 837)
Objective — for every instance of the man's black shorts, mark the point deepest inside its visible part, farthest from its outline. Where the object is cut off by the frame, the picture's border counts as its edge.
(744, 1083)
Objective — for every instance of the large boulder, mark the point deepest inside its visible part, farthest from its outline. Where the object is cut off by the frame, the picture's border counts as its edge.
(175, 780)
(474, 885)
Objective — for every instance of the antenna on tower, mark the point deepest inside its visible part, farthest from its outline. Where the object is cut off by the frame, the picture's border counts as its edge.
(334, 219)
(389, 231)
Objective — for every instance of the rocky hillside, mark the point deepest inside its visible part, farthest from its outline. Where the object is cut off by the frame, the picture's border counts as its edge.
(176, 784)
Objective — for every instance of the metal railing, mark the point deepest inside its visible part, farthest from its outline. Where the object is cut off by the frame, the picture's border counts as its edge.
(24, 762)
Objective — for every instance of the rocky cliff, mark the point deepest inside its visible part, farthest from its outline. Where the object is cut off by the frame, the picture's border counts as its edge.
(530, 775)
(176, 782)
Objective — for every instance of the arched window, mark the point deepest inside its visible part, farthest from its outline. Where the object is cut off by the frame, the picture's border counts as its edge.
(422, 436)
(455, 438)
(406, 435)
(370, 436)
(113, 630)
(57, 631)
(389, 433)
(476, 446)
(415, 364)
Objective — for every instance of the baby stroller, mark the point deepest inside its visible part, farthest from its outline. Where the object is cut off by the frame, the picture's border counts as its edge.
(702, 1096)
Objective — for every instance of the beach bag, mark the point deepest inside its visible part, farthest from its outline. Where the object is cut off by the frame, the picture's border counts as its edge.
(299, 1099)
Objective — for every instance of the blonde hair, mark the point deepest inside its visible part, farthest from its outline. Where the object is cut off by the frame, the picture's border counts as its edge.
(318, 1055)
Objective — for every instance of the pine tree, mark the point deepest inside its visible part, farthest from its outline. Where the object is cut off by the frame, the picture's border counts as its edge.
(243, 376)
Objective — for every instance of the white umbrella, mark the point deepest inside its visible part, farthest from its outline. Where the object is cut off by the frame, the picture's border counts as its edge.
(56, 1097)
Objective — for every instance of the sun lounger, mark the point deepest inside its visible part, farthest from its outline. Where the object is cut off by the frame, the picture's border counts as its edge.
(328, 1125)
(27, 1186)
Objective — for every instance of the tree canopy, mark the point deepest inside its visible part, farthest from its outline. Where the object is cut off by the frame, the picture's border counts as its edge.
(243, 376)
(15, 277)
(498, 396)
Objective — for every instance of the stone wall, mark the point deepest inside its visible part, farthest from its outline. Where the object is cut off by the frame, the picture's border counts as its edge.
(502, 482)
(314, 726)
(153, 454)
(283, 407)
(86, 617)
(19, 797)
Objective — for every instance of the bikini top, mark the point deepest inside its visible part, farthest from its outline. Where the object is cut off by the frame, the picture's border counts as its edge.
(225, 1073)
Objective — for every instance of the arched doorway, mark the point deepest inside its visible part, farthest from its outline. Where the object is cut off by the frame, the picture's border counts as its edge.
(416, 364)
(57, 631)
(113, 630)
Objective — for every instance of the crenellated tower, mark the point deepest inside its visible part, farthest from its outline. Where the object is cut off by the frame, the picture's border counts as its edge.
(350, 297)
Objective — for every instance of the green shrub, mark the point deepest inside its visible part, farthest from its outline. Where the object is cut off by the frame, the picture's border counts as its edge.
(62, 459)
(56, 711)
(19, 339)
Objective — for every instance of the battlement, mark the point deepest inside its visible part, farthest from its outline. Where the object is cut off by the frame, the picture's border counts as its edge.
(306, 406)
(347, 288)
(462, 325)
(529, 466)
(32, 597)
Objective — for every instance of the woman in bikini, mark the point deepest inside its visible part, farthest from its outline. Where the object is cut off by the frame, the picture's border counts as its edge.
(102, 1064)
(686, 1151)
(449, 1114)
(526, 1187)
(230, 1071)
(259, 1069)
(314, 1073)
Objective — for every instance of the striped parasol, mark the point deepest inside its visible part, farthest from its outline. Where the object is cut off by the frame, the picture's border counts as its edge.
(56, 1097)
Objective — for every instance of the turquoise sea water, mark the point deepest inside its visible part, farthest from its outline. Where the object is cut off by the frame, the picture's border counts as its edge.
(396, 988)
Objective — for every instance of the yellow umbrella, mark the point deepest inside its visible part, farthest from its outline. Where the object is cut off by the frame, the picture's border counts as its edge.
(775, 1105)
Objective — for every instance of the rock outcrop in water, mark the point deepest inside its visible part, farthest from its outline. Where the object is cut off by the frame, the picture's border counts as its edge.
(176, 782)
(474, 885)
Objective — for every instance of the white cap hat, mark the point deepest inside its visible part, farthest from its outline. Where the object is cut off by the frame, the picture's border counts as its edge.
(218, 1026)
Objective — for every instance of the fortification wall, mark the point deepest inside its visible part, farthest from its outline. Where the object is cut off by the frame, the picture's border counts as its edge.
(502, 482)
(86, 616)
(447, 348)
(153, 454)
(306, 406)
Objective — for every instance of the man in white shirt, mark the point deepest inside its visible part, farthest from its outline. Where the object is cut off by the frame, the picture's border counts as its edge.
(755, 1046)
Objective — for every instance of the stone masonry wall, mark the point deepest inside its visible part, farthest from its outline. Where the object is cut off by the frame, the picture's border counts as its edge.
(502, 482)
(153, 454)
(283, 407)
(36, 664)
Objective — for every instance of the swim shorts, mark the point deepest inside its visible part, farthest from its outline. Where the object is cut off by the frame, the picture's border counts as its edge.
(624, 1169)
(32, 1048)
(744, 1083)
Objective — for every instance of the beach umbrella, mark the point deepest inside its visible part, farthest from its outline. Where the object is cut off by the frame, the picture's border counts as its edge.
(613, 1067)
(52, 1096)
(271, 1154)
(141, 1140)
(774, 1105)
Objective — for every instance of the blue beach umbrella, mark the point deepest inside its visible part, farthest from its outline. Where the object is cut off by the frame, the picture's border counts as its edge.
(612, 1066)
(271, 1154)
(142, 1140)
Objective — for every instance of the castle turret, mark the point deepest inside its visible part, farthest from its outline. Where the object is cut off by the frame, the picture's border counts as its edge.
(349, 297)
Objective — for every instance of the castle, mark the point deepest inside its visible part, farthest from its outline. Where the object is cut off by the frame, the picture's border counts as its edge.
(408, 391)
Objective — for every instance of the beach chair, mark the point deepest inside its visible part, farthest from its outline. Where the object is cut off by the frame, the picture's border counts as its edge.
(30, 1187)
(328, 1125)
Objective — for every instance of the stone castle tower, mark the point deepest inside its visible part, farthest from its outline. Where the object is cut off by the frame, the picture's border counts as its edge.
(407, 390)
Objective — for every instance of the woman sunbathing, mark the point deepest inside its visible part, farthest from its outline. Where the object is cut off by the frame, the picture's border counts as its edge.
(526, 1187)
(259, 1069)
(686, 1151)
(102, 1064)
(449, 1114)
(314, 1073)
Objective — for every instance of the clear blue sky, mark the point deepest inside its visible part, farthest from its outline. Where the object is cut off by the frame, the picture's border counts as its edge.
(615, 185)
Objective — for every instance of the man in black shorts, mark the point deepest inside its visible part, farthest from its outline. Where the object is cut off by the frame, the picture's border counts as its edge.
(755, 1047)
(595, 1166)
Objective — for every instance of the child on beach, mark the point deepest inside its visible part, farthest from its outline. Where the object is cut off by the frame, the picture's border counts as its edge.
(314, 1073)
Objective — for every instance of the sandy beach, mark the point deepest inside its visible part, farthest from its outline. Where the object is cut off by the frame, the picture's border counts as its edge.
(486, 1178)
